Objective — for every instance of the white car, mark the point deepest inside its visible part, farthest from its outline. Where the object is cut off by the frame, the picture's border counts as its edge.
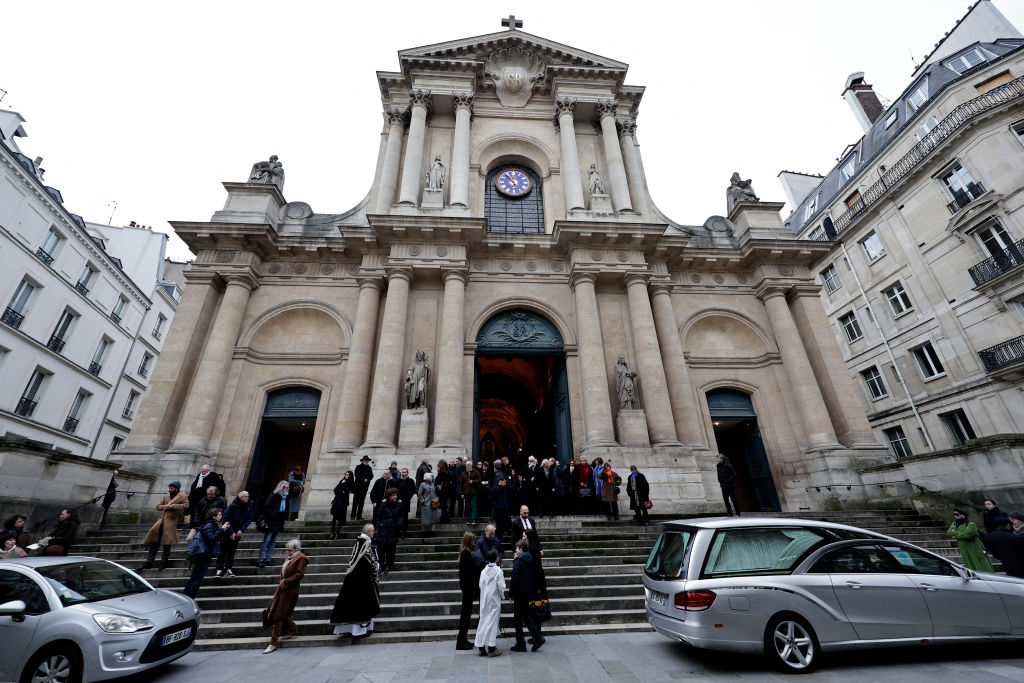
(69, 619)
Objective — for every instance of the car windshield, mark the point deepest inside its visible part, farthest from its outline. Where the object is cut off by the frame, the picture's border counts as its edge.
(760, 550)
(667, 560)
(90, 580)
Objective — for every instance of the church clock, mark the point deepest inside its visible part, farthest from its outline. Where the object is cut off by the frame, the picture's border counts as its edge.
(513, 182)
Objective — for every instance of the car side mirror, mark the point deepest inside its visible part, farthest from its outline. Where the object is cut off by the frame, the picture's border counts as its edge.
(15, 609)
(969, 574)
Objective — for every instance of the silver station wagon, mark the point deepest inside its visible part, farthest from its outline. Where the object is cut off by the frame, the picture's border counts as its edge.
(792, 589)
(68, 619)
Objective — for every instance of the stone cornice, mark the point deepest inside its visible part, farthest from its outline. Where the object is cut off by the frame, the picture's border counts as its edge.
(260, 237)
(761, 361)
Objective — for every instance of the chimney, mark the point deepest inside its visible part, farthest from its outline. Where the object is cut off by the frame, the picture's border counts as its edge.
(862, 100)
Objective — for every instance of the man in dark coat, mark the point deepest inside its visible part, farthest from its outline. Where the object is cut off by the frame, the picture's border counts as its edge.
(639, 492)
(211, 500)
(490, 540)
(202, 481)
(109, 497)
(406, 490)
(421, 470)
(238, 515)
(727, 480)
(499, 505)
(1007, 547)
(521, 592)
(459, 506)
(363, 476)
(380, 486)
(522, 523)
(389, 522)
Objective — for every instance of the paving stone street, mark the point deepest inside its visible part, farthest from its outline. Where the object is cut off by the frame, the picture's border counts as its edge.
(614, 657)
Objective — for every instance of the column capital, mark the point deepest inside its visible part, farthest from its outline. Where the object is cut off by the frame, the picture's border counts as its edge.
(565, 105)
(605, 108)
(658, 288)
(626, 127)
(770, 291)
(399, 274)
(246, 280)
(462, 100)
(636, 278)
(395, 115)
(461, 274)
(420, 98)
(582, 276)
(370, 282)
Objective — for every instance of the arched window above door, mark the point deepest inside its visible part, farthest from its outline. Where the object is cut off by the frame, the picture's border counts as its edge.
(511, 214)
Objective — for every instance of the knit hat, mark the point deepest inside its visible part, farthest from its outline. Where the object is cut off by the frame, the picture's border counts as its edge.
(1000, 521)
(959, 512)
(176, 484)
(1016, 515)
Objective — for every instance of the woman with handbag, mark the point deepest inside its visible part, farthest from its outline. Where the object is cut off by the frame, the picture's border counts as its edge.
(429, 504)
(639, 492)
(212, 533)
(271, 521)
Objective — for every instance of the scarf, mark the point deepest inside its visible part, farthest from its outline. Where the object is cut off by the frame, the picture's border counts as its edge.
(364, 550)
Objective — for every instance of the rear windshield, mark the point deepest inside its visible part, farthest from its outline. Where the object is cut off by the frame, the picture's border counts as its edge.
(90, 580)
(668, 557)
(759, 551)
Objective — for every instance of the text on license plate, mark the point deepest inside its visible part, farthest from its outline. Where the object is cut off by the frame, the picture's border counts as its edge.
(659, 598)
(179, 635)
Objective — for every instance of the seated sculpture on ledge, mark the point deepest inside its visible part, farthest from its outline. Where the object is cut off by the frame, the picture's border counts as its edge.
(739, 191)
(268, 173)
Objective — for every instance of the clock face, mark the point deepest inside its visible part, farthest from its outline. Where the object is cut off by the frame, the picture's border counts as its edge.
(513, 182)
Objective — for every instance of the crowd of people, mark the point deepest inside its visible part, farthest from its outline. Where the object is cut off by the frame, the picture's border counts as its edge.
(1002, 537)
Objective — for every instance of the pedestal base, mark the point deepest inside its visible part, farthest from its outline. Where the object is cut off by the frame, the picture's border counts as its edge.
(432, 199)
(600, 204)
(631, 426)
(412, 431)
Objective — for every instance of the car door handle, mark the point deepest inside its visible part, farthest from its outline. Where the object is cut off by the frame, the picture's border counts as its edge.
(929, 587)
(854, 584)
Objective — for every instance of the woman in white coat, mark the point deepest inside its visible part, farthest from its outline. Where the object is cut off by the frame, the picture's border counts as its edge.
(492, 592)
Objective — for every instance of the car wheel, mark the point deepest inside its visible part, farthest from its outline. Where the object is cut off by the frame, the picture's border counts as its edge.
(790, 643)
(55, 664)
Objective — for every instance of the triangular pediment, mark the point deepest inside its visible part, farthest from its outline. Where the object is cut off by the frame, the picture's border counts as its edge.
(479, 47)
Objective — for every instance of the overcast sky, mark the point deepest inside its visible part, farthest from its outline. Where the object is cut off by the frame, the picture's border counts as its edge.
(155, 105)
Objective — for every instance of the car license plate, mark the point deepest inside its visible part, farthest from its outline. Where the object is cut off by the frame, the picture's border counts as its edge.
(659, 598)
(176, 636)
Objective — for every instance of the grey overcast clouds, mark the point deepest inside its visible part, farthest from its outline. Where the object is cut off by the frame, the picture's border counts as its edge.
(154, 105)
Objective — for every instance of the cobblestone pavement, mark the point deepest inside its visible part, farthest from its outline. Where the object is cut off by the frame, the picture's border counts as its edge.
(616, 657)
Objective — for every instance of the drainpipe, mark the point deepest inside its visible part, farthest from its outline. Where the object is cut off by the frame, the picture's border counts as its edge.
(888, 349)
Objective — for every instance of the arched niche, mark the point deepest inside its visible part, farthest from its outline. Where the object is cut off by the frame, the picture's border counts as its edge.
(725, 334)
(298, 327)
(513, 149)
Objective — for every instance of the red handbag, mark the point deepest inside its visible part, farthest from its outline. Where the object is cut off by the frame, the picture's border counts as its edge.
(648, 505)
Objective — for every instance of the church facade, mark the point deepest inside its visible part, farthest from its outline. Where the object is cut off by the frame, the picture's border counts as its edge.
(507, 287)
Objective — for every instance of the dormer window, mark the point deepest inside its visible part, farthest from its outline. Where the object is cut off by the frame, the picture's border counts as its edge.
(891, 118)
(917, 99)
(966, 61)
(812, 206)
(849, 168)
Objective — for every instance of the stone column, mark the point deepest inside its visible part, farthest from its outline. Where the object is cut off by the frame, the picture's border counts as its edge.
(348, 433)
(394, 118)
(613, 156)
(208, 386)
(463, 103)
(420, 102)
(448, 407)
(565, 107)
(390, 351)
(684, 410)
(653, 385)
(627, 140)
(813, 414)
(597, 408)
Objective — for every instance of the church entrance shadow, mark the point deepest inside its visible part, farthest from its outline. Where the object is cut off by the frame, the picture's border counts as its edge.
(739, 439)
(285, 438)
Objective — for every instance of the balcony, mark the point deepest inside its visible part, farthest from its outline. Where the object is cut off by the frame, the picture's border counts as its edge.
(1004, 356)
(115, 317)
(55, 344)
(12, 317)
(70, 425)
(961, 198)
(44, 256)
(94, 368)
(26, 407)
(1010, 258)
(82, 288)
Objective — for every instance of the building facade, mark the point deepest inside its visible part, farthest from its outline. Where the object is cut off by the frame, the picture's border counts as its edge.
(923, 282)
(506, 288)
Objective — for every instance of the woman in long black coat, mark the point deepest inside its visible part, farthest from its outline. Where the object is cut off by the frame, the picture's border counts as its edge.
(389, 523)
(359, 598)
(639, 494)
(339, 506)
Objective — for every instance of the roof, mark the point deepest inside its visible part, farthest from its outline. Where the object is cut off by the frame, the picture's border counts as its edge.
(49, 560)
(745, 522)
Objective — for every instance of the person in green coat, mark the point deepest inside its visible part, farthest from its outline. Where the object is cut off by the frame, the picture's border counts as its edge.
(972, 550)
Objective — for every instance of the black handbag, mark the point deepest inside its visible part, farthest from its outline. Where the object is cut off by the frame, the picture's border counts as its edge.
(262, 525)
(541, 609)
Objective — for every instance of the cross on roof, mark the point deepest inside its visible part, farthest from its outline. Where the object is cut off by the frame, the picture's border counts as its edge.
(512, 23)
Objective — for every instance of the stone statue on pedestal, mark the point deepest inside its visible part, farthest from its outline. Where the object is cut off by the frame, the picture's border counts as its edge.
(596, 184)
(625, 384)
(739, 191)
(268, 173)
(435, 175)
(416, 382)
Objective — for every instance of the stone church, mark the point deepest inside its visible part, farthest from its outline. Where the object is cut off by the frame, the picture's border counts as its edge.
(507, 287)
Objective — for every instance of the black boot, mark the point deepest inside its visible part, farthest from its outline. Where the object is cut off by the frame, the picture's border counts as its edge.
(463, 644)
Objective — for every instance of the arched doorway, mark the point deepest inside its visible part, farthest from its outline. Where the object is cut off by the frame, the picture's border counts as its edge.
(521, 392)
(739, 439)
(285, 438)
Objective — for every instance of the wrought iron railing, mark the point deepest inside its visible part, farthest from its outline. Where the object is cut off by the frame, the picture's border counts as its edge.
(144, 369)
(55, 344)
(994, 266)
(127, 413)
(81, 288)
(70, 425)
(25, 407)
(44, 256)
(12, 317)
(94, 368)
(115, 317)
(950, 124)
(157, 334)
(963, 198)
(1001, 356)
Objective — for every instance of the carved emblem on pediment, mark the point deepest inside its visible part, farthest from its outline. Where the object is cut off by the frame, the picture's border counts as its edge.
(515, 72)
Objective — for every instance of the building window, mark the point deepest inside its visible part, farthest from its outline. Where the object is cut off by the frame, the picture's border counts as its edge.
(129, 406)
(926, 127)
(158, 329)
(958, 427)
(144, 366)
(60, 332)
(899, 300)
(893, 116)
(994, 83)
(898, 442)
(116, 443)
(966, 61)
(85, 279)
(118, 311)
(994, 239)
(48, 249)
(30, 397)
(875, 383)
(851, 326)
(917, 99)
(1018, 130)
(960, 187)
(14, 314)
(97, 359)
(811, 208)
(854, 202)
(873, 247)
(849, 168)
(831, 278)
(75, 414)
(928, 361)
(523, 214)
(818, 234)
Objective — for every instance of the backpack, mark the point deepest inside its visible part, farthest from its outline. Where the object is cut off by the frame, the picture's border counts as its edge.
(196, 548)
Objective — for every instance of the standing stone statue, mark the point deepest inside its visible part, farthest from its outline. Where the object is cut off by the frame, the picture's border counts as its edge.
(739, 191)
(625, 384)
(416, 382)
(434, 177)
(596, 184)
(268, 173)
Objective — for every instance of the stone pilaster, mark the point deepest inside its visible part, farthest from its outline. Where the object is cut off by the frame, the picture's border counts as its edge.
(597, 407)
(653, 386)
(627, 141)
(387, 376)
(348, 432)
(448, 407)
(206, 395)
(420, 103)
(684, 409)
(613, 156)
(463, 104)
(394, 118)
(565, 108)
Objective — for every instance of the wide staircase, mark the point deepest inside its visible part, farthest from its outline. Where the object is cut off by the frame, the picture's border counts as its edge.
(593, 570)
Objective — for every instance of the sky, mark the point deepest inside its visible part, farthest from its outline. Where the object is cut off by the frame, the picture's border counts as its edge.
(153, 106)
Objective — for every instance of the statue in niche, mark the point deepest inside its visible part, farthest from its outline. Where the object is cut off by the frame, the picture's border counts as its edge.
(434, 177)
(739, 191)
(268, 173)
(625, 384)
(416, 382)
(596, 184)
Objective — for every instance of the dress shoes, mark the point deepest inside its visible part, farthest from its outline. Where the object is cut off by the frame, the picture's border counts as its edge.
(270, 648)
(518, 648)
(538, 644)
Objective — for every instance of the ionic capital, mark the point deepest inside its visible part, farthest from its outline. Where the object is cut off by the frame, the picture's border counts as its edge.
(420, 98)
(462, 100)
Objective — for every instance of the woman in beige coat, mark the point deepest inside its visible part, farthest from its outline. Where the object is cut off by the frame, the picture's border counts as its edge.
(165, 531)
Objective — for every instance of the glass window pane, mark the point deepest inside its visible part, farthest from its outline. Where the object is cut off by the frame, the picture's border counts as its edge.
(759, 551)
(668, 555)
